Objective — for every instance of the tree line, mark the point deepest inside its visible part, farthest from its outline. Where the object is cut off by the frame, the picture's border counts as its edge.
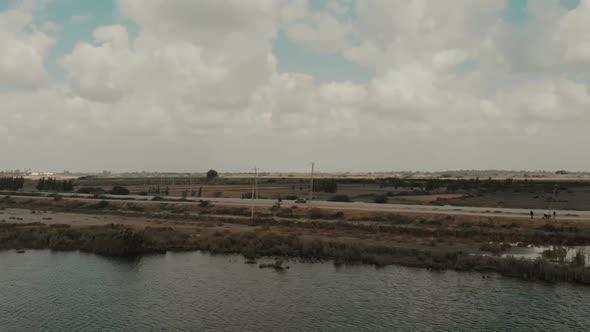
(52, 184)
(325, 185)
(11, 183)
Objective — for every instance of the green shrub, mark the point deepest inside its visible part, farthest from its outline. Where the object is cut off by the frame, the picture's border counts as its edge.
(204, 203)
(91, 190)
(579, 258)
(119, 190)
(340, 198)
(381, 199)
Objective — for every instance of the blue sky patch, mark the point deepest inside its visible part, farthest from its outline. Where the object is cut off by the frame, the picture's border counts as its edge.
(569, 4)
(77, 21)
(322, 6)
(333, 67)
(516, 12)
(465, 68)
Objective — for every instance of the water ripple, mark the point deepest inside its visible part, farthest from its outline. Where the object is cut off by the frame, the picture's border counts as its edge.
(45, 291)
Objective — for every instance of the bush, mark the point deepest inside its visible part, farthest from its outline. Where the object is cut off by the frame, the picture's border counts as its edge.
(340, 198)
(579, 258)
(102, 205)
(556, 253)
(381, 199)
(338, 215)
(91, 190)
(119, 190)
(316, 213)
(327, 185)
(205, 204)
(495, 248)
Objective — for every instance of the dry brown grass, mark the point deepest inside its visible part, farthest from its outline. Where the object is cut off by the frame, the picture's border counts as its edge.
(429, 198)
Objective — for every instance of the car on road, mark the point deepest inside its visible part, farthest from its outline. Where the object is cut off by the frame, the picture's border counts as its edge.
(300, 200)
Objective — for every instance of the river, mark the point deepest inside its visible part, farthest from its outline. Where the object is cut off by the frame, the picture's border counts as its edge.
(51, 291)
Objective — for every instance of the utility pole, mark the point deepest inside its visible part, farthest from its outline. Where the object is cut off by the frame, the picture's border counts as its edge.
(256, 181)
(253, 190)
(311, 186)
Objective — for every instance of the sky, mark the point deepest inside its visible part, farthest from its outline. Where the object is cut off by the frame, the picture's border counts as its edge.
(354, 85)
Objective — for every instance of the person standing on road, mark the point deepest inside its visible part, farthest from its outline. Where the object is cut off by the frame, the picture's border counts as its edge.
(532, 214)
(554, 215)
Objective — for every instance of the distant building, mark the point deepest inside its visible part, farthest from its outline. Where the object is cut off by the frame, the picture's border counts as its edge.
(37, 173)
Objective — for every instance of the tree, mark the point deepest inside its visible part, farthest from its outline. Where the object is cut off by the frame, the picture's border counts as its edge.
(327, 185)
(11, 183)
(432, 184)
(212, 174)
(41, 184)
(52, 184)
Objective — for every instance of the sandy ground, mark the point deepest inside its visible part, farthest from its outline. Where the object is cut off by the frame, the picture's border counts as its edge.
(25, 216)
(356, 206)
(74, 219)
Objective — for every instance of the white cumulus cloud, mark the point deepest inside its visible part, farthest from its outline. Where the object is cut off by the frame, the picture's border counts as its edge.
(197, 86)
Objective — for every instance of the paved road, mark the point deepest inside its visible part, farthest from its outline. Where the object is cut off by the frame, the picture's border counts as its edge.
(355, 206)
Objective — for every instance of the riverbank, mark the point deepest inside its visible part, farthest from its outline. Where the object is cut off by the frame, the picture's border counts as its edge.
(119, 240)
(435, 243)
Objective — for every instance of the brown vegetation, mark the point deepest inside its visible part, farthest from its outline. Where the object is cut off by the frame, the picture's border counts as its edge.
(119, 240)
(442, 242)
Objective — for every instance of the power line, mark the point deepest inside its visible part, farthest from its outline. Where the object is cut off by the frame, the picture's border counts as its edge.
(311, 185)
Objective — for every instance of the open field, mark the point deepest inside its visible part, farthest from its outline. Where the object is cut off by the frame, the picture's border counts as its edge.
(570, 199)
(561, 193)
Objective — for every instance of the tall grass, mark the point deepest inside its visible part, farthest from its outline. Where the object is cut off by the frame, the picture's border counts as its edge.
(116, 240)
